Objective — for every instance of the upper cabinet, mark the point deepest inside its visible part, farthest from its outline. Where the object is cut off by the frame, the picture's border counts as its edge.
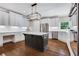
(17, 20)
(12, 19)
(4, 18)
(74, 20)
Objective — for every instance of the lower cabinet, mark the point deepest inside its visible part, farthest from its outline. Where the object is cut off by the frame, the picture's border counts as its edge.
(1, 40)
(55, 35)
(38, 42)
(18, 37)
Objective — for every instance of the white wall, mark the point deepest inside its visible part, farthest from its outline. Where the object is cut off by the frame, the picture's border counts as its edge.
(54, 22)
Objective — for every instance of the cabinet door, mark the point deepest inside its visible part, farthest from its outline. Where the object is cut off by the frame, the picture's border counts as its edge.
(30, 40)
(33, 41)
(4, 18)
(55, 35)
(1, 40)
(38, 42)
(18, 37)
(45, 37)
(26, 40)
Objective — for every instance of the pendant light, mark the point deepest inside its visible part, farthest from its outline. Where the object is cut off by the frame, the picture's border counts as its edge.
(34, 14)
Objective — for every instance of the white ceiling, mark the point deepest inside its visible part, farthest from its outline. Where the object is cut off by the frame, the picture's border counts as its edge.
(46, 9)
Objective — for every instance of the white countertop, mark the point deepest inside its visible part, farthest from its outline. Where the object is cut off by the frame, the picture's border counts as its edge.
(11, 31)
(75, 28)
(35, 33)
(57, 29)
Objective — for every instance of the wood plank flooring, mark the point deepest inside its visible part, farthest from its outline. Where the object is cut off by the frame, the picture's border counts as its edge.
(55, 48)
(74, 47)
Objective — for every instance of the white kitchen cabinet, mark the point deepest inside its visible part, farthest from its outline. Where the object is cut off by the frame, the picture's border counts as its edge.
(17, 20)
(1, 40)
(16, 37)
(64, 36)
(4, 18)
(19, 37)
(55, 35)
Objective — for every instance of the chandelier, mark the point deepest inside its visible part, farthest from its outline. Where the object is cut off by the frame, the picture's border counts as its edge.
(34, 14)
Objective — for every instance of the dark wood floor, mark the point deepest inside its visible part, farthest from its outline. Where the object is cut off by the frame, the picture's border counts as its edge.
(55, 48)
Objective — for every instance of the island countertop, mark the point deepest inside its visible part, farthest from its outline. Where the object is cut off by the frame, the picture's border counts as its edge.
(35, 33)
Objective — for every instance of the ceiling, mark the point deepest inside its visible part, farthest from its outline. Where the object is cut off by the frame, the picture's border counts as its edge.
(46, 9)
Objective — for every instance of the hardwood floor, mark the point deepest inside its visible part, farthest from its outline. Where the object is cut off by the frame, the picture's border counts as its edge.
(55, 48)
(74, 47)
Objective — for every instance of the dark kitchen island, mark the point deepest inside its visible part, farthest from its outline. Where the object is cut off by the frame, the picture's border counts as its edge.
(38, 41)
